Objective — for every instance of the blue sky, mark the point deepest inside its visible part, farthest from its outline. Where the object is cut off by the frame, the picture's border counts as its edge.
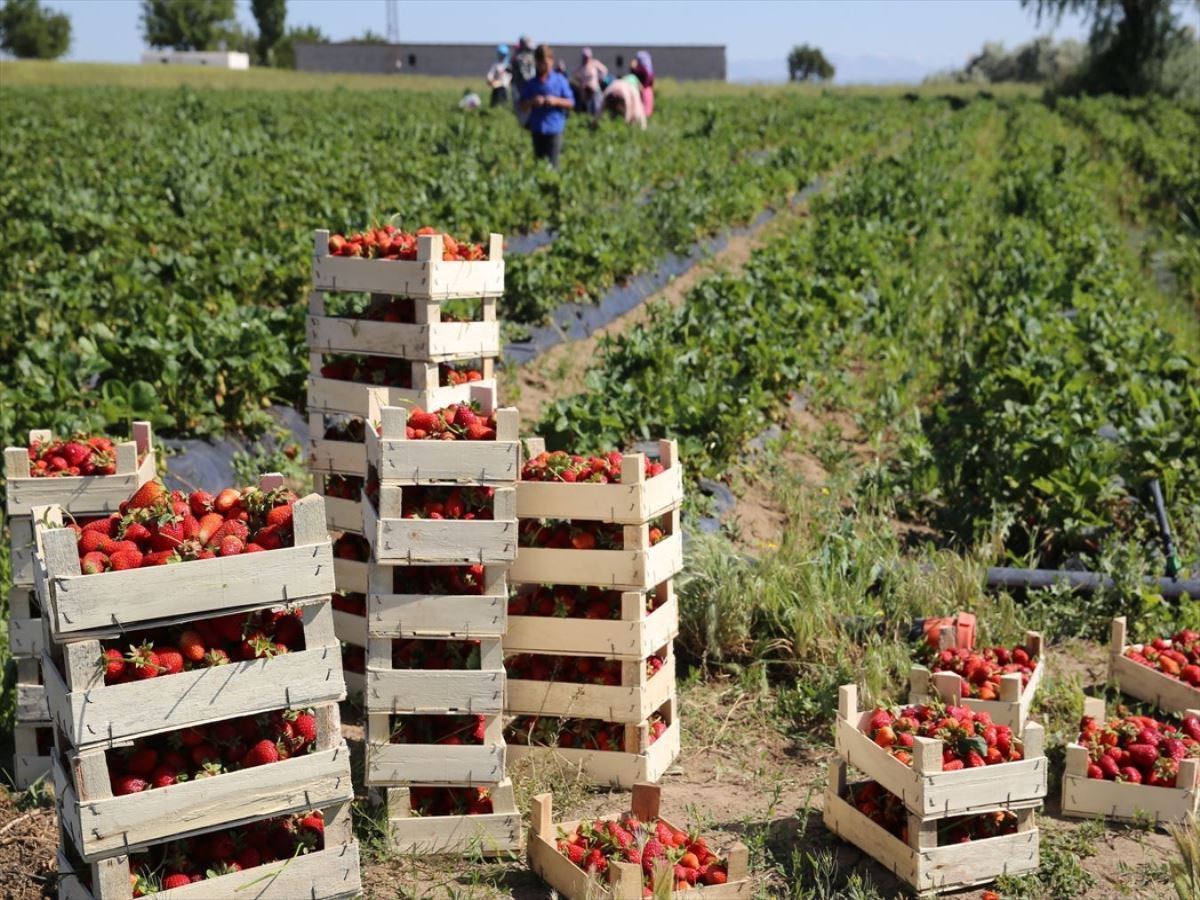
(868, 40)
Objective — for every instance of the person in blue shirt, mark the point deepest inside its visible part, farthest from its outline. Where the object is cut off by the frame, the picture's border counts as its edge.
(547, 99)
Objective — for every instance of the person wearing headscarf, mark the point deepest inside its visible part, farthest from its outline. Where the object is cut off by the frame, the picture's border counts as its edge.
(523, 69)
(498, 76)
(643, 67)
(623, 97)
(588, 76)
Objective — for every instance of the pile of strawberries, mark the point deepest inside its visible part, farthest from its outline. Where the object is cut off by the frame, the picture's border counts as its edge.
(887, 811)
(162, 760)
(388, 242)
(389, 371)
(79, 455)
(467, 581)
(1177, 656)
(353, 430)
(154, 528)
(566, 601)
(344, 487)
(1139, 749)
(981, 669)
(177, 864)
(969, 739)
(664, 853)
(579, 734)
(201, 644)
(576, 534)
(450, 801)
(354, 604)
(434, 729)
(441, 501)
(352, 547)
(411, 653)
(573, 669)
(457, 422)
(571, 467)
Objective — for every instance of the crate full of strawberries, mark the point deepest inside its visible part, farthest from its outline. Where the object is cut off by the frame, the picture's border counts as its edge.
(632, 855)
(1164, 671)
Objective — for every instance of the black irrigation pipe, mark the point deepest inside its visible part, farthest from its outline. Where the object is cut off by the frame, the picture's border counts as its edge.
(1085, 582)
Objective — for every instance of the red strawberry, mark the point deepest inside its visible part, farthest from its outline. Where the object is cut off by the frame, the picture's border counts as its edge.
(1142, 756)
(159, 558)
(106, 526)
(144, 661)
(207, 527)
(192, 646)
(280, 516)
(93, 563)
(231, 545)
(126, 559)
(141, 761)
(114, 665)
(129, 784)
(175, 880)
(164, 776)
(147, 495)
(261, 754)
(91, 541)
(304, 725)
(313, 822)
(227, 500)
(170, 659)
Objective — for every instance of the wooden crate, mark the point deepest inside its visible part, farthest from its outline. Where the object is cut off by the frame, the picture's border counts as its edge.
(624, 880)
(634, 636)
(1097, 798)
(637, 567)
(351, 575)
(640, 761)
(341, 514)
(921, 864)
(328, 874)
(332, 396)
(80, 495)
(25, 637)
(90, 713)
(349, 628)
(477, 692)
(32, 745)
(88, 605)
(1167, 693)
(101, 824)
(928, 791)
(496, 833)
(429, 338)
(428, 277)
(435, 764)
(1011, 709)
(636, 698)
(440, 541)
(20, 533)
(402, 461)
(31, 705)
(416, 615)
(635, 501)
(331, 456)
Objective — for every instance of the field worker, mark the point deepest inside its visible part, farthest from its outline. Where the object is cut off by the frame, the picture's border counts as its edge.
(623, 97)
(523, 70)
(470, 100)
(588, 76)
(643, 68)
(546, 100)
(498, 76)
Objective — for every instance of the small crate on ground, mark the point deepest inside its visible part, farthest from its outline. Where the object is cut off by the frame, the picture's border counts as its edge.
(623, 881)
(433, 764)
(1098, 798)
(399, 613)
(331, 873)
(926, 789)
(920, 863)
(637, 696)
(411, 541)
(485, 834)
(635, 635)
(1010, 709)
(1137, 680)
(398, 690)
(101, 824)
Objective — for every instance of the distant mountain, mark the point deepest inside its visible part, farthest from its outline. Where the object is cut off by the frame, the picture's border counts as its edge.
(850, 69)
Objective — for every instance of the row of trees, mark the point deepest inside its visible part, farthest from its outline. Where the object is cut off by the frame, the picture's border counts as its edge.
(29, 31)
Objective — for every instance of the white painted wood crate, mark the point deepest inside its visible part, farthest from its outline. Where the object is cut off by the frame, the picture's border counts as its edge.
(1144, 683)
(29, 761)
(25, 637)
(332, 873)
(475, 692)
(1097, 798)
(930, 792)
(635, 635)
(90, 713)
(417, 615)
(1010, 709)
(333, 396)
(103, 825)
(440, 541)
(921, 864)
(427, 277)
(391, 764)
(493, 834)
(623, 881)
(636, 698)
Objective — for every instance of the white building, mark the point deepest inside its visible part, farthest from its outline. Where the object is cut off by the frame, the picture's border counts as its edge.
(217, 59)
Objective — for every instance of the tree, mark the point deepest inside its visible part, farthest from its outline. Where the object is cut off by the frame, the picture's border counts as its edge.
(371, 37)
(1129, 44)
(270, 16)
(29, 32)
(187, 24)
(285, 50)
(806, 63)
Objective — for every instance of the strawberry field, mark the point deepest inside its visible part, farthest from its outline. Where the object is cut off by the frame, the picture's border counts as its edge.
(971, 347)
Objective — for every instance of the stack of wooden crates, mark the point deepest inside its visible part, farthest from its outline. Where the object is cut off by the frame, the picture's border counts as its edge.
(391, 315)
(636, 578)
(80, 497)
(106, 836)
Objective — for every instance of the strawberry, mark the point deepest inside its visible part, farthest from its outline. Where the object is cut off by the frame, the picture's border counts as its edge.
(148, 495)
(226, 500)
(192, 646)
(170, 659)
(207, 527)
(141, 761)
(304, 725)
(144, 661)
(280, 516)
(92, 541)
(93, 563)
(175, 880)
(1142, 756)
(128, 784)
(313, 822)
(126, 559)
(114, 665)
(261, 754)
(231, 545)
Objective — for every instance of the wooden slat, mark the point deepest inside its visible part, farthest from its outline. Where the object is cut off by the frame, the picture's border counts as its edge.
(632, 570)
(435, 342)
(330, 395)
(609, 768)
(444, 541)
(635, 635)
(631, 702)
(403, 461)
(332, 457)
(429, 279)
